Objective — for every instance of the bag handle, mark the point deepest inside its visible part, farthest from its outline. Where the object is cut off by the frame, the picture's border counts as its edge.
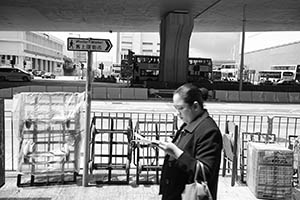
(199, 165)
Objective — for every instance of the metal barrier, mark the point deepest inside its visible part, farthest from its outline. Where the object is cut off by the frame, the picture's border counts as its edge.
(110, 145)
(281, 126)
(246, 123)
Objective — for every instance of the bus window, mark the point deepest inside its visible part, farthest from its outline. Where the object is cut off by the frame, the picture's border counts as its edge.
(287, 76)
(298, 73)
(269, 75)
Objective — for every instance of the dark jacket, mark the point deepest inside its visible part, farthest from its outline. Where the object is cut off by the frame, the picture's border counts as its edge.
(201, 140)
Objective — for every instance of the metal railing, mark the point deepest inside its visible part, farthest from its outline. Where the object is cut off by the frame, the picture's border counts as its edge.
(280, 125)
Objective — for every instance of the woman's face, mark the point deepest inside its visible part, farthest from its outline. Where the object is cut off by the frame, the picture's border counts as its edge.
(185, 112)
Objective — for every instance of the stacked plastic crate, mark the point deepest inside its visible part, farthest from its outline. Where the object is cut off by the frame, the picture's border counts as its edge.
(269, 171)
(49, 127)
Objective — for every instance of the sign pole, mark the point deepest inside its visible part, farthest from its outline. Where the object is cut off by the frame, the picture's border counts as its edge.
(242, 50)
(85, 178)
(90, 45)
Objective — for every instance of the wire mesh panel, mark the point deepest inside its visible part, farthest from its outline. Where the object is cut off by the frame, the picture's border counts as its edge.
(251, 137)
(294, 145)
(285, 126)
(149, 158)
(49, 127)
(111, 148)
(270, 171)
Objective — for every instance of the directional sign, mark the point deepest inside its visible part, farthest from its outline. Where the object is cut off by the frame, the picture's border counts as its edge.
(89, 44)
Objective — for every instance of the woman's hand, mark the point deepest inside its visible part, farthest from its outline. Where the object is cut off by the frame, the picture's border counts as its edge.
(170, 148)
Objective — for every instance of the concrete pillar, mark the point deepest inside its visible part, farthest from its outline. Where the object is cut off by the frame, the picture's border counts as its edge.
(39, 64)
(36, 61)
(175, 33)
(46, 65)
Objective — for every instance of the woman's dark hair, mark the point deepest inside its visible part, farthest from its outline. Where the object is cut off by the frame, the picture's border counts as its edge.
(204, 92)
(190, 93)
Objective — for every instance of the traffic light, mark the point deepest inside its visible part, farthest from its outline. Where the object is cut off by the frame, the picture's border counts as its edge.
(130, 57)
(101, 66)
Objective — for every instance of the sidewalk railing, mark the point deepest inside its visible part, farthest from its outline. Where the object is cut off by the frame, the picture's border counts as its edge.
(281, 126)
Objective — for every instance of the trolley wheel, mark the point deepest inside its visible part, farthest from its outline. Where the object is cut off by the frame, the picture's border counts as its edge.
(28, 123)
(68, 123)
(19, 180)
(75, 174)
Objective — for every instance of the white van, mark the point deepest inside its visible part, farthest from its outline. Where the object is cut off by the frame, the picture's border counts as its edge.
(14, 74)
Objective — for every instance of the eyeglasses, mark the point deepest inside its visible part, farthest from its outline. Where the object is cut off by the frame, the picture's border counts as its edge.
(180, 107)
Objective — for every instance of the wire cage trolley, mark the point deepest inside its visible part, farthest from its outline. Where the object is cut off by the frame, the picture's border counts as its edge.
(148, 157)
(49, 127)
(258, 137)
(294, 145)
(110, 147)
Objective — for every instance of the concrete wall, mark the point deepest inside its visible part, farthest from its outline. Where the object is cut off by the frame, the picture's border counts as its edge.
(98, 93)
(257, 96)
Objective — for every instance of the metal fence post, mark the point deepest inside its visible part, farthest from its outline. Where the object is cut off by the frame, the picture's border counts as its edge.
(2, 144)
(270, 127)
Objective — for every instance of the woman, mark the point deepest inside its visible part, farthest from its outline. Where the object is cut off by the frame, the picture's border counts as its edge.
(199, 138)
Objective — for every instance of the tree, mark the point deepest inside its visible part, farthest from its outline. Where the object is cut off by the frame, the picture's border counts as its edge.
(68, 66)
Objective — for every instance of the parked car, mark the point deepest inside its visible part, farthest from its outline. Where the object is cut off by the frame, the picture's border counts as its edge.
(14, 74)
(38, 73)
(48, 75)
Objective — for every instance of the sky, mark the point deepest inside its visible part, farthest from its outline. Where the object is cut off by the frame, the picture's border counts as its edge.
(261, 40)
(253, 41)
(110, 56)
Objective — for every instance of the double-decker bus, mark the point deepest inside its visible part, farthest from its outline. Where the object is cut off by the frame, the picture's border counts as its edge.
(298, 73)
(199, 69)
(295, 69)
(146, 68)
(275, 75)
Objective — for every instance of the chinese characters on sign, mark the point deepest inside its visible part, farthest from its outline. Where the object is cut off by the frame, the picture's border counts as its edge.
(89, 44)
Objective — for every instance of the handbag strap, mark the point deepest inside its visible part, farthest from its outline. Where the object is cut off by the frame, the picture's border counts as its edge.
(199, 165)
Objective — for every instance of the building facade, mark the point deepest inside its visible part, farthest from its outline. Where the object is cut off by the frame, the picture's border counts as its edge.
(31, 51)
(140, 43)
(263, 59)
(220, 47)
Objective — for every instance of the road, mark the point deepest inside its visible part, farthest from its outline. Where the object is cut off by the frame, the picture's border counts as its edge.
(59, 81)
(259, 109)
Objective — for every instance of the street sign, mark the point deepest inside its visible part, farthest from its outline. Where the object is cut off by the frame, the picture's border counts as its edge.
(89, 44)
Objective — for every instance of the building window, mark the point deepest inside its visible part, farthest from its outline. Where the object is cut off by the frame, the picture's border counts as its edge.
(147, 43)
(147, 50)
(126, 42)
(125, 49)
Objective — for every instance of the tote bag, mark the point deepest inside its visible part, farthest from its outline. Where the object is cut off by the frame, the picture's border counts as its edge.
(196, 190)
